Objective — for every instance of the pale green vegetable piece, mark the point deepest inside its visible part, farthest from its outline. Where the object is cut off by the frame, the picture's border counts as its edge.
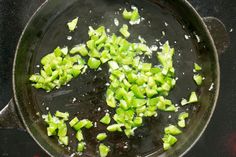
(197, 67)
(80, 147)
(173, 130)
(124, 31)
(106, 119)
(72, 24)
(101, 136)
(198, 79)
(79, 135)
(103, 150)
(193, 97)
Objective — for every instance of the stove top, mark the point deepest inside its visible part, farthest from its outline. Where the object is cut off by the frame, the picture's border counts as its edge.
(219, 139)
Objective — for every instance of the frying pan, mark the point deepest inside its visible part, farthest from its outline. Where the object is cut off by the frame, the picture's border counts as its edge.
(181, 25)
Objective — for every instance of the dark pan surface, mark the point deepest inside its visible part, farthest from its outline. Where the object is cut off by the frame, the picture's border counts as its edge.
(48, 30)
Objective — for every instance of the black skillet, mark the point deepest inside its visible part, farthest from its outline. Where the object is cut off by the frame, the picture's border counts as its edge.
(47, 30)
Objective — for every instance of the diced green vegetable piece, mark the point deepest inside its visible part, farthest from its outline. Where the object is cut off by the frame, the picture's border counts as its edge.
(120, 93)
(137, 91)
(64, 50)
(73, 121)
(138, 102)
(113, 65)
(103, 150)
(171, 108)
(114, 127)
(83, 123)
(62, 129)
(79, 135)
(135, 15)
(168, 140)
(124, 31)
(101, 136)
(34, 78)
(79, 49)
(173, 130)
(181, 123)
(127, 14)
(166, 146)
(64, 140)
(105, 56)
(197, 67)
(64, 115)
(123, 104)
(193, 97)
(198, 79)
(48, 58)
(106, 119)
(146, 66)
(72, 24)
(183, 115)
(184, 102)
(91, 44)
(80, 147)
(138, 121)
(129, 132)
(111, 101)
(57, 52)
(93, 63)
(89, 124)
(51, 129)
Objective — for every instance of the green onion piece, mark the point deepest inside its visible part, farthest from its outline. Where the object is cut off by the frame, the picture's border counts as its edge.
(64, 140)
(106, 119)
(62, 115)
(73, 121)
(80, 147)
(93, 63)
(124, 31)
(72, 24)
(198, 79)
(101, 136)
(79, 135)
(103, 150)
(197, 67)
(173, 130)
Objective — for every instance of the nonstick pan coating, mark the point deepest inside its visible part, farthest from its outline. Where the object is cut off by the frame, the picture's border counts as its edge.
(47, 30)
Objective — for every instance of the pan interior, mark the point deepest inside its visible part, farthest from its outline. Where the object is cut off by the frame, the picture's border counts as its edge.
(85, 94)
